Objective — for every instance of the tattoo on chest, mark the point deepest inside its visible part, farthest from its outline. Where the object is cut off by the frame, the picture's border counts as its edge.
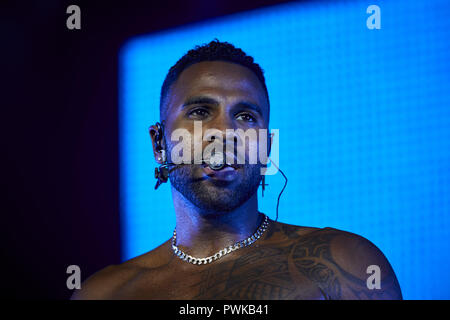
(294, 268)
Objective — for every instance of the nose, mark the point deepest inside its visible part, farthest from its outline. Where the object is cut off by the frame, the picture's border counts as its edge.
(227, 137)
(223, 129)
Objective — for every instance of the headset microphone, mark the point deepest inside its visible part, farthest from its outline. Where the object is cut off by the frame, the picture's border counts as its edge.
(162, 172)
(216, 162)
(216, 166)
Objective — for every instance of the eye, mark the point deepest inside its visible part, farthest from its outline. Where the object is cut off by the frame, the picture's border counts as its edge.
(198, 113)
(245, 117)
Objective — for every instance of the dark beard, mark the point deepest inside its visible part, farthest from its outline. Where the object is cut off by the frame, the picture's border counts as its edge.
(220, 196)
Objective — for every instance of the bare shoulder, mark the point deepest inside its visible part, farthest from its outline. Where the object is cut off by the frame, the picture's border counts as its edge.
(279, 231)
(343, 264)
(103, 284)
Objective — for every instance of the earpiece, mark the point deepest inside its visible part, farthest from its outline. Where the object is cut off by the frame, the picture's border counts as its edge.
(161, 172)
(159, 136)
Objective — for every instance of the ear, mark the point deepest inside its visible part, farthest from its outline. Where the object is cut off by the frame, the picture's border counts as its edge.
(156, 135)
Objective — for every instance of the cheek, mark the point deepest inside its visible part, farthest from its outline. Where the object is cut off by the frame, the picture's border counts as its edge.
(252, 150)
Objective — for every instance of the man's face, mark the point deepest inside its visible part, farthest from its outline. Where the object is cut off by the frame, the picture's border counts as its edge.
(222, 96)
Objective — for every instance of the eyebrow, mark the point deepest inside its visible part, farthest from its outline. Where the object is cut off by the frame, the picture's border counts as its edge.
(211, 101)
(199, 100)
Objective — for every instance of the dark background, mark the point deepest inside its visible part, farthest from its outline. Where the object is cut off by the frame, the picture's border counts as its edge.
(59, 132)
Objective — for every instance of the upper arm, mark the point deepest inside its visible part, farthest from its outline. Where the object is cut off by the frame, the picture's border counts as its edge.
(99, 286)
(362, 269)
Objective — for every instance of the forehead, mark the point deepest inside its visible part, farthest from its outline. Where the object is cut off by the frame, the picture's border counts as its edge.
(225, 81)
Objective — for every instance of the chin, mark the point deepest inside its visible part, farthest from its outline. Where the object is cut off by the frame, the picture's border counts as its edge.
(219, 205)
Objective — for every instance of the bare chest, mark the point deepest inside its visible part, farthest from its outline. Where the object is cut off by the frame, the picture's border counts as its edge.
(250, 276)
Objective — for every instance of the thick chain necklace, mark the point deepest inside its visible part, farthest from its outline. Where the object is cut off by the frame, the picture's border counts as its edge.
(240, 244)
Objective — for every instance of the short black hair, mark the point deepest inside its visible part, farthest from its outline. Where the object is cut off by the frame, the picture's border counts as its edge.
(213, 51)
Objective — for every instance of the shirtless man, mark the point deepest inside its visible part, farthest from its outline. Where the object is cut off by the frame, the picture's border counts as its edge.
(222, 87)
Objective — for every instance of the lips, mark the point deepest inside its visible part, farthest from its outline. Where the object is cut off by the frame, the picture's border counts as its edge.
(227, 173)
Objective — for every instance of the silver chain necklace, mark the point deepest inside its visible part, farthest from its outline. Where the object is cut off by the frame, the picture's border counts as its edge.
(240, 244)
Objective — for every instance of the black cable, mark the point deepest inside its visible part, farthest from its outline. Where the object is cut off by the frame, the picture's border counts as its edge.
(284, 187)
(279, 196)
(285, 184)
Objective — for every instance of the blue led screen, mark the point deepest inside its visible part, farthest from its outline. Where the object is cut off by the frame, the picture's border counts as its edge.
(363, 118)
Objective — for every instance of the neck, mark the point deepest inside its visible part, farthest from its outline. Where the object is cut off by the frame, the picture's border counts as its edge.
(201, 234)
